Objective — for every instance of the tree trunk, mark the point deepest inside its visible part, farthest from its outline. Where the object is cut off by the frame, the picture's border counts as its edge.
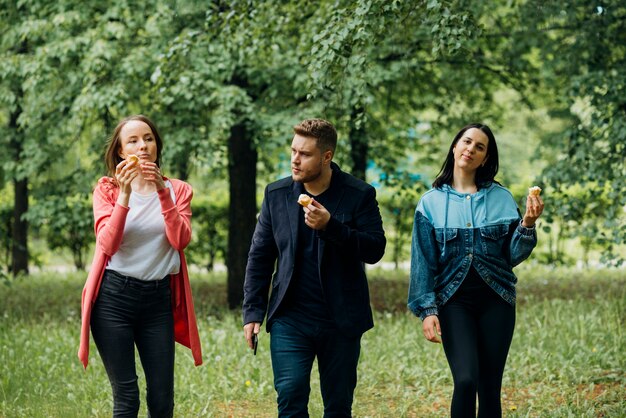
(397, 241)
(242, 160)
(358, 145)
(182, 166)
(19, 229)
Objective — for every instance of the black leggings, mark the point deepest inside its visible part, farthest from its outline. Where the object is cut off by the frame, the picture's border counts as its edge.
(130, 312)
(476, 330)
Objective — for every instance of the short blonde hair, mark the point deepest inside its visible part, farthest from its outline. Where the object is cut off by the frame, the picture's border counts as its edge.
(322, 130)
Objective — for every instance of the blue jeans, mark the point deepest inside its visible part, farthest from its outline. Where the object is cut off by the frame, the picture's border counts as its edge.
(293, 350)
(131, 312)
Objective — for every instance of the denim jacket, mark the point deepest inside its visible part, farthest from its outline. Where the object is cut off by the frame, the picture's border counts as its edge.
(453, 231)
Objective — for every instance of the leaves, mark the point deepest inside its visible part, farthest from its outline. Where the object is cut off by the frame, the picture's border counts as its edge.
(589, 153)
(377, 68)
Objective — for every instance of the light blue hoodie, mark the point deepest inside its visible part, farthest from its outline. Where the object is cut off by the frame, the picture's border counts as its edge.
(493, 205)
(454, 231)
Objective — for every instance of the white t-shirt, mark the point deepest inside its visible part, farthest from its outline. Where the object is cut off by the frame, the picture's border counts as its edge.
(145, 252)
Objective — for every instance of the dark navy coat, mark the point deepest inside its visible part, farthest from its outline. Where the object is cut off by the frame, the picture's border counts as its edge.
(354, 236)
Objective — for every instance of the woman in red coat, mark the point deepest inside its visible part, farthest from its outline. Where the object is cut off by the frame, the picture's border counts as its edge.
(137, 292)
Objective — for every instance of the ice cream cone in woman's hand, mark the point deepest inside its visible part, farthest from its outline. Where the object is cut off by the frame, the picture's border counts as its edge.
(132, 159)
(534, 191)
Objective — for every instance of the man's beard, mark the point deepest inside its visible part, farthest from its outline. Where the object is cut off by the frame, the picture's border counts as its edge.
(308, 177)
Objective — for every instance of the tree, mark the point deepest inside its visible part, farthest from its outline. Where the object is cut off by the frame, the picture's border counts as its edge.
(69, 69)
(578, 54)
(210, 218)
(226, 80)
(237, 82)
(385, 67)
(26, 79)
(402, 191)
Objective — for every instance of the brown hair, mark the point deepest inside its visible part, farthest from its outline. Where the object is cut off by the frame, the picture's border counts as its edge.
(111, 154)
(322, 130)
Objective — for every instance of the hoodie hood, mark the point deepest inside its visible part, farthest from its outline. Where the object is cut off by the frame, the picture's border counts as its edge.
(448, 208)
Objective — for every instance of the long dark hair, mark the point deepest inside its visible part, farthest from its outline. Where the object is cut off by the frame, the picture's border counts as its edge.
(486, 174)
(111, 154)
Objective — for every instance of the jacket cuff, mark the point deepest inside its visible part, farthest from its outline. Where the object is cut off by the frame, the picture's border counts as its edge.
(525, 230)
(428, 312)
(253, 317)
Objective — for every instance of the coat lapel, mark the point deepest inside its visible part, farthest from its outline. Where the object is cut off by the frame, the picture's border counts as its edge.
(293, 211)
(335, 193)
(334, 197)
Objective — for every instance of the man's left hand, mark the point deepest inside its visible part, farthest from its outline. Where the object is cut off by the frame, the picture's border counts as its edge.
(316, 216)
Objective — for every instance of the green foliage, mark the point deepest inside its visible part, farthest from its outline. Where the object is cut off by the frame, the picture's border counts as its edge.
(210, 232)
(379, 69)
(229, 63)
(68, 224)
(62, 211)
(575, 51)
(401, 192)
(379, 66)
(580, 215)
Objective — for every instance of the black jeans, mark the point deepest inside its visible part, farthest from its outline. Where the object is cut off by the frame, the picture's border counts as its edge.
(131, 312)
(476, 331)
(293, 350)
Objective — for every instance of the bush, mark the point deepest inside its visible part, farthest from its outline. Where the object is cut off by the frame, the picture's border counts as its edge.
(210, 232)
(67, 222)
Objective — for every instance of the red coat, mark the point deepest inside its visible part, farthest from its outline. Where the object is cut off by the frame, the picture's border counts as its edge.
(109, 226)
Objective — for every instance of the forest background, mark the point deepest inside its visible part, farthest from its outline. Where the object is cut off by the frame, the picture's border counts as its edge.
(225, 81)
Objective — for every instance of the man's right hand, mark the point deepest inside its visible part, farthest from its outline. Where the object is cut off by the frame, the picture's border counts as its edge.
(249, 329)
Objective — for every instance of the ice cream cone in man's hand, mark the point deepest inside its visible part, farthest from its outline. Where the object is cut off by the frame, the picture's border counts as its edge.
(304, 200)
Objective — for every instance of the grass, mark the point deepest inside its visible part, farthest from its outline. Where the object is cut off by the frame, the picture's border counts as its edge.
(567, 358)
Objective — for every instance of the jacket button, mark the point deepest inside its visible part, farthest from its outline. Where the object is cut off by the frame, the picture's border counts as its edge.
(469, 224)
(467, 197)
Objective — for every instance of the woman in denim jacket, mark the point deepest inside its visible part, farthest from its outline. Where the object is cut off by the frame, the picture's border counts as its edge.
(467, 237)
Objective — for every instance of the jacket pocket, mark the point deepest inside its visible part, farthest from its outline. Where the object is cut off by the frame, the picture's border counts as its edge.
(448, 241)
(493, 239)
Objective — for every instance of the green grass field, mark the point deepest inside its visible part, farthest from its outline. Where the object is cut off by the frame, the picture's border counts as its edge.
(568, 357)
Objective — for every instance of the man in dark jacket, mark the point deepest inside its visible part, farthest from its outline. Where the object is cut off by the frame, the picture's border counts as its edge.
(319, 303)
